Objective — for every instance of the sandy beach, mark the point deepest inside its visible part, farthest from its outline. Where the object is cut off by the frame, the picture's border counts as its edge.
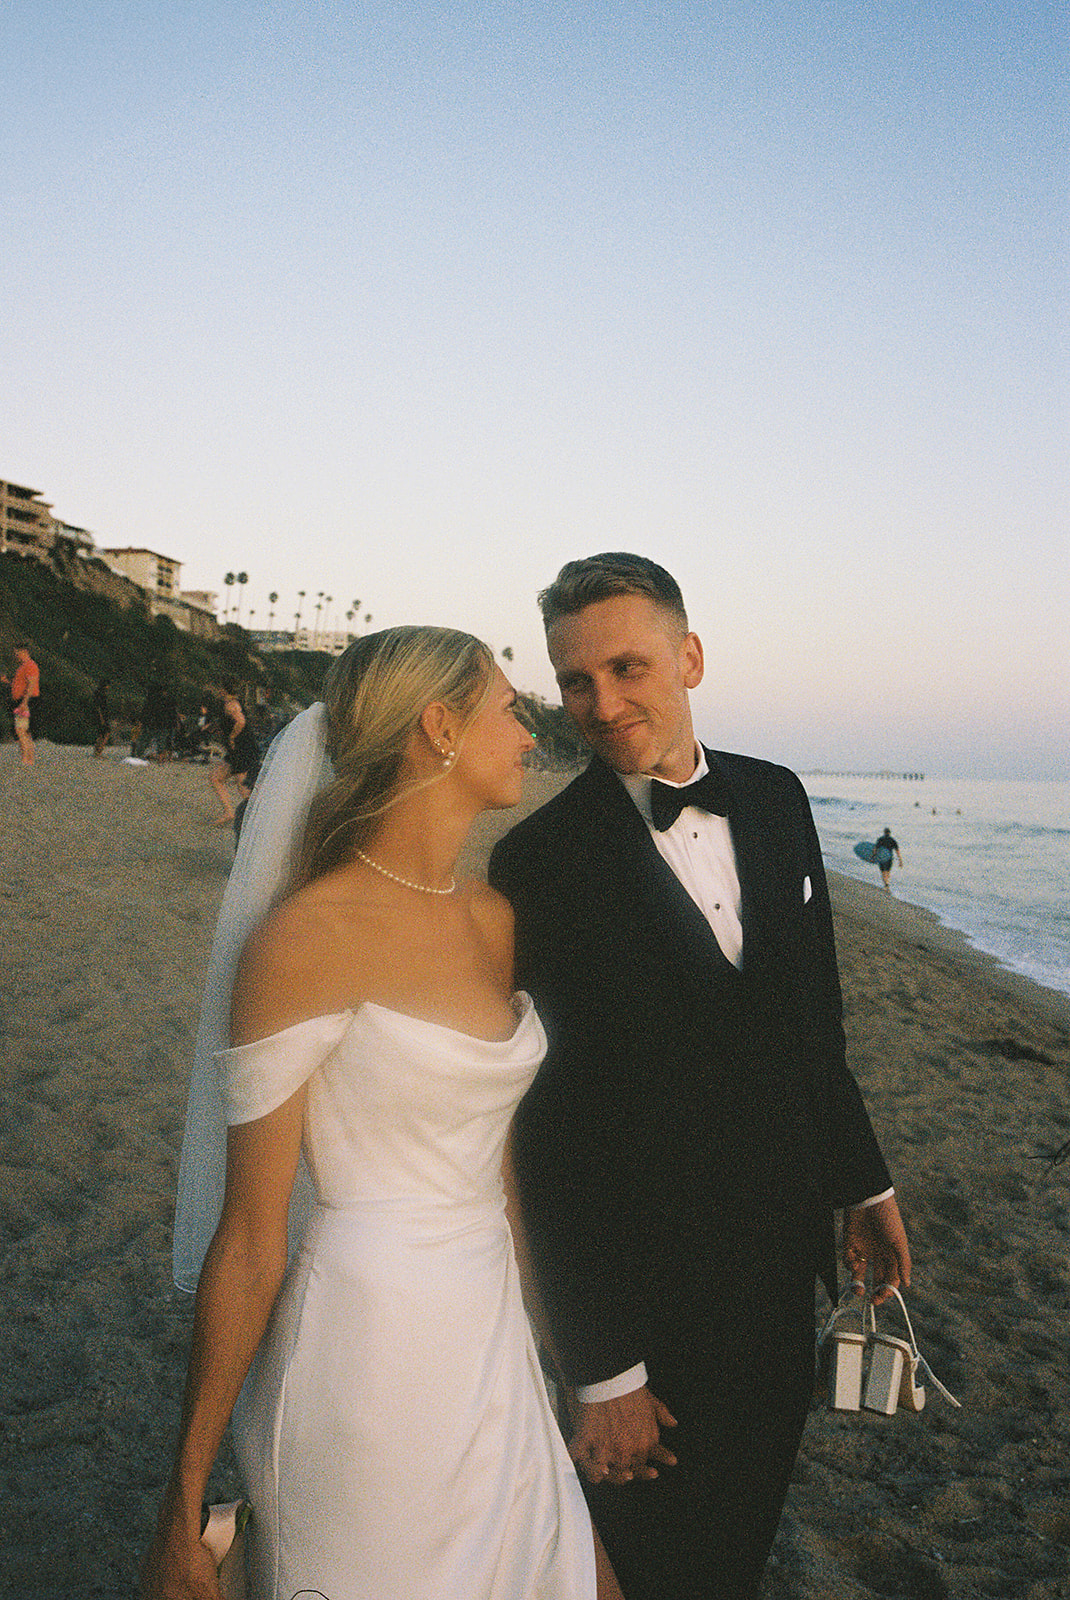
(111, 878)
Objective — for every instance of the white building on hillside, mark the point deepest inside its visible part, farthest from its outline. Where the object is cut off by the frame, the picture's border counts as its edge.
(27, 526)
(333, 641)
(156, 574)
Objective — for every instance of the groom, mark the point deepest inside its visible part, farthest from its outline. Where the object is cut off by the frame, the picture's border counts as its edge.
(694, 1125)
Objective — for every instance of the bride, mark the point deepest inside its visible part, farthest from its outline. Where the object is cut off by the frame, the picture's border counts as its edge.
(389, 1414)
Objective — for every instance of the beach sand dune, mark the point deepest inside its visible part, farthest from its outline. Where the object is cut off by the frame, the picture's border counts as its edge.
(112, 876)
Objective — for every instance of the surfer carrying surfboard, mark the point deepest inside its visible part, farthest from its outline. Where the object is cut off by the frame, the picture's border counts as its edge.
(885, 848)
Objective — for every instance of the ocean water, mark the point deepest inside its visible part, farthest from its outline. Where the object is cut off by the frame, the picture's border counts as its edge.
(991, 859)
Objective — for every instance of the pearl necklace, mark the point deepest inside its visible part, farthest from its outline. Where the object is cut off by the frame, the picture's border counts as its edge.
(406, 883)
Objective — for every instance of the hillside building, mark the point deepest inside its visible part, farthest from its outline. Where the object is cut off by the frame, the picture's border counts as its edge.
(333, 641)
(203, 599)
(156, 574)
(27, 526)
(272, 638)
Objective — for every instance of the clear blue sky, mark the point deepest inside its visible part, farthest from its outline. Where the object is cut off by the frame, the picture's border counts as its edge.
(411, 303)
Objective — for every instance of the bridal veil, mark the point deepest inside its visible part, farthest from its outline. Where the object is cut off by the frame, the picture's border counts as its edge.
(296, 769)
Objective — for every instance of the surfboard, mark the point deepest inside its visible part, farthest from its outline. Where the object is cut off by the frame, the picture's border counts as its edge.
(865, 852)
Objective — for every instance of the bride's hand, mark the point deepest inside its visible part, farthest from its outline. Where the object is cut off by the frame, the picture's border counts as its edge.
(176, 1570)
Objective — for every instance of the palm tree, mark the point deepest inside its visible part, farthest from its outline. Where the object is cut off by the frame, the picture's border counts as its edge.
(229, 581)
(243, 579)
(319, 608)
(507, 653)
(272, 597)
(297, 617)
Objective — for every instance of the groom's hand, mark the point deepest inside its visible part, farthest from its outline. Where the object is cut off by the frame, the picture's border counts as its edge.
(874, 1238)
(620, 1439)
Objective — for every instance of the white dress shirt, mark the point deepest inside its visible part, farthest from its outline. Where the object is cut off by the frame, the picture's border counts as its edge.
(699, 849)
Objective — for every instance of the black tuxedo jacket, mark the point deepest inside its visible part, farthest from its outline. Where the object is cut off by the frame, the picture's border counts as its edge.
(679, 1098)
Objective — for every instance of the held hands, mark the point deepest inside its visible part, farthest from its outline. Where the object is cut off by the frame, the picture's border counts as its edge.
(618, 1440)
(178, 1568)
(875, 1236)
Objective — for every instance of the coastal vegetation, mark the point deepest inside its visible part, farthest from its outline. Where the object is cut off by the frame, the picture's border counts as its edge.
(78, 636)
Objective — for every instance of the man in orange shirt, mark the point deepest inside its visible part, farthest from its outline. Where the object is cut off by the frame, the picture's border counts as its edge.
(25, 686)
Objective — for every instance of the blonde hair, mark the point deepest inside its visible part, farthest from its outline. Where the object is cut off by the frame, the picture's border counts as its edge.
(375, 695)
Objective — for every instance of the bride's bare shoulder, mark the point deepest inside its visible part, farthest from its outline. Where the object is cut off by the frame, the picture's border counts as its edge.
(303, 960)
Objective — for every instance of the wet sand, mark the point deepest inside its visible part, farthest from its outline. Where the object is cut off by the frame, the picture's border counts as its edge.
(112, 876)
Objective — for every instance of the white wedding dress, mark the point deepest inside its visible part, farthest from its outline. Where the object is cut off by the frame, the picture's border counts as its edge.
(394, 1433)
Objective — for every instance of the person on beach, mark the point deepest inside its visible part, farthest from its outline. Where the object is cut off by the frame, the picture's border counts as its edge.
(148, 732)
(883, 851)
(694, 1125)
(24, 686)
(201, 734)
(241, 761)
(168, 728)
(101, 717)
(394, 1433)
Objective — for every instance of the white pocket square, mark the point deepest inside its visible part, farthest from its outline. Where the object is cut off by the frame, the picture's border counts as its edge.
(807, 890)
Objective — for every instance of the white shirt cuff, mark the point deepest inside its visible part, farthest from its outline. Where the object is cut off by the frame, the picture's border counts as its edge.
(874, 1200)
(612, 1388)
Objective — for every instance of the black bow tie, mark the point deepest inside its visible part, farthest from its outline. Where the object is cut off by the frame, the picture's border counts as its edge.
(709, 793)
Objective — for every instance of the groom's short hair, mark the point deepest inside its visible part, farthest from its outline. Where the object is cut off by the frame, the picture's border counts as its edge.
(581, 583)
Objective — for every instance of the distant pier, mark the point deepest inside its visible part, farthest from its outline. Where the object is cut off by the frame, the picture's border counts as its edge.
(903, 777)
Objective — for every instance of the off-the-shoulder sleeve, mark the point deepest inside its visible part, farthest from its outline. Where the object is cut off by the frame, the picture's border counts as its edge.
(256, 1078)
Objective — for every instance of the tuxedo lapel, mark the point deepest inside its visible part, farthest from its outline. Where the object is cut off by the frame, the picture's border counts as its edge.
(759, 867)
(644, 885)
